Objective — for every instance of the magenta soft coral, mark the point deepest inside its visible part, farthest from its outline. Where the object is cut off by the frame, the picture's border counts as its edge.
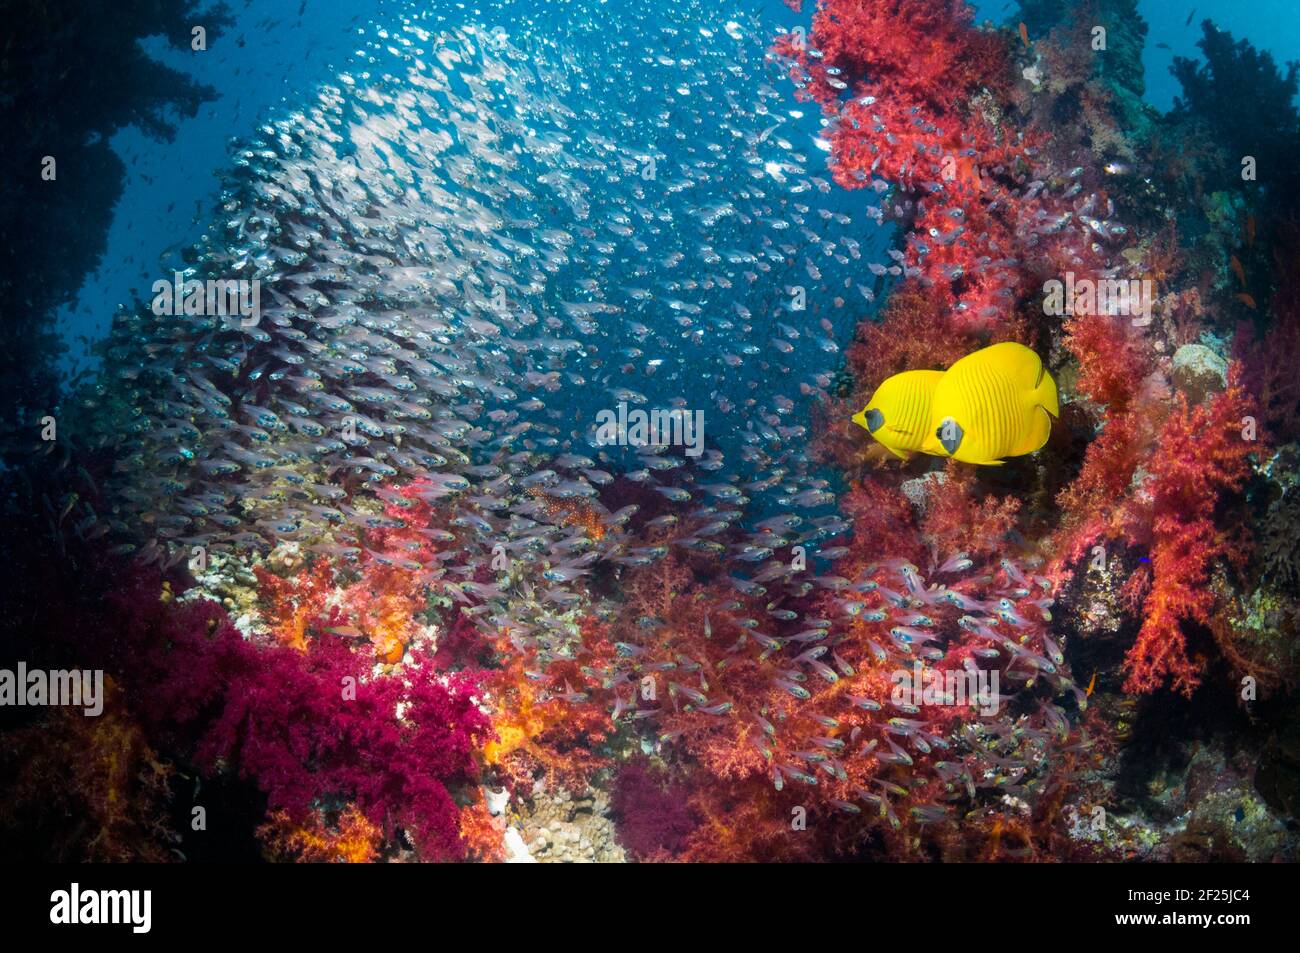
(652, 810)
(309, 728)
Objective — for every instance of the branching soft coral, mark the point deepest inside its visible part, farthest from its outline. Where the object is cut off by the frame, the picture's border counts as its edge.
(768, 717)
(293, 607)
(651, 810)
(482, 833)
(1269, 360)
(100, 770)
(748, 823)
(958, 520)
(921, 113)
(382, 599)
(920, 109)
(1115, 374)
(912, 333)
(882, 519)
(1203, 455)
(351, 839)
(879, 39)
(312, 729)
(1112, 358)
(538, 726)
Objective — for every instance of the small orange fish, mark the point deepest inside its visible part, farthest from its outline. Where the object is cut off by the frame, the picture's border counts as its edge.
(878, 456)
(1024, 34)
(1237, 269)
(1247, 300)
(1250, 231)
(1092, 684)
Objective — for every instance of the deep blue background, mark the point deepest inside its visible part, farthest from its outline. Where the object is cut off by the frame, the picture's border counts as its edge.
(273, 54)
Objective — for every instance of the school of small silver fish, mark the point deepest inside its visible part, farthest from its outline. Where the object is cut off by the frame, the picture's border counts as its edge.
(467, 242)
(828, 676)
(451, 258)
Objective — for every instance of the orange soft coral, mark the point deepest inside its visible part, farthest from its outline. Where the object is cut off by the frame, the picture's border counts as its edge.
(553, 726)
(382, 598)
(292, 607)
(351, 839)
(482, 833)
(100, 771)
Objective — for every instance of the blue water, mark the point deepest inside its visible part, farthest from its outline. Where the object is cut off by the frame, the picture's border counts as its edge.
(270, 55)
(1268, 24)
(275, 55)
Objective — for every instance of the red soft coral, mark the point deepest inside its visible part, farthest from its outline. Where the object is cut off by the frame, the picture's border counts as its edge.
(1112, 357)
(1269, 361)
(1203, 454)
(901, 81)
(958, 519)
(911, 334)
(926, 53)
(1116, 377)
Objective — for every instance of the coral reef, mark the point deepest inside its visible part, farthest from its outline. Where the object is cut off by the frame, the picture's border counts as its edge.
(651, 810)
(1201, 455)
(1247, 103)
(350, 839)
(1084, 654)
(100, 772)
(313, 729)
(1166, 430)
(912, 71)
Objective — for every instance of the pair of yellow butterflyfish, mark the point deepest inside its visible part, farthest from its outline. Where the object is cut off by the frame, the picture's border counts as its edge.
(995, 403)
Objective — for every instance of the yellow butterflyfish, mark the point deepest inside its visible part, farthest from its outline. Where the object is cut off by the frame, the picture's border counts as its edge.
(898, 413)
(995, 403)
